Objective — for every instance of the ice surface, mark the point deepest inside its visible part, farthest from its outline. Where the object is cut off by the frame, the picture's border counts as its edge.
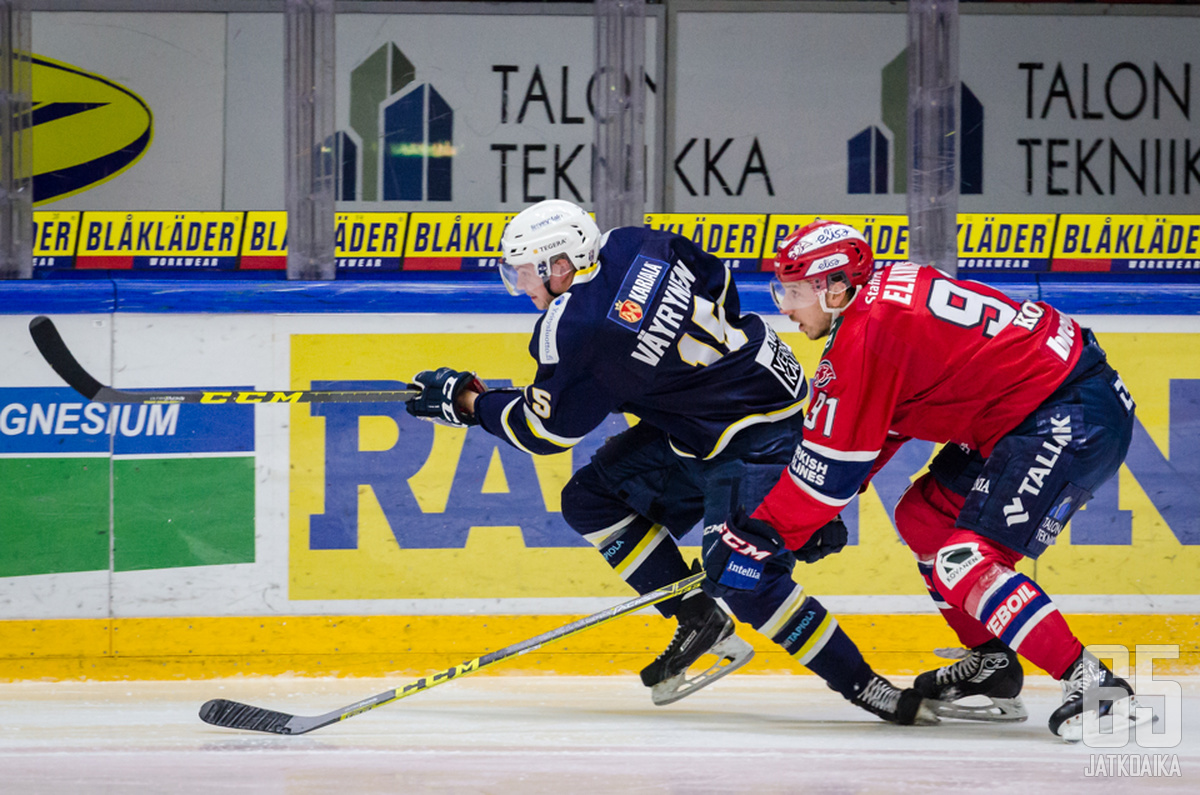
(522, 734)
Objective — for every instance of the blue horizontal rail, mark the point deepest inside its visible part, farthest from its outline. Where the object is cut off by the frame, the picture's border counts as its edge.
(463, 294)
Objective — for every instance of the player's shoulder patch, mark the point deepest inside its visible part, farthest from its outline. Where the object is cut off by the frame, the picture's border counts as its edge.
(548, 340)
(637, 292)
(777, 356)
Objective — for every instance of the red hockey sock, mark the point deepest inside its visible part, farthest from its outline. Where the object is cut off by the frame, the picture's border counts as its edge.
(976, 576)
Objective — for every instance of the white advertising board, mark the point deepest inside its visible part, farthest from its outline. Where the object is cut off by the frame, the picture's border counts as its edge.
(1094, 114)
(360, 509)
(497, 107)
(175, 65)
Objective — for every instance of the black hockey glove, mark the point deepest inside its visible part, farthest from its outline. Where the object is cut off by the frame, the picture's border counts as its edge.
(826, 541)
(440, 389)
(735, 552)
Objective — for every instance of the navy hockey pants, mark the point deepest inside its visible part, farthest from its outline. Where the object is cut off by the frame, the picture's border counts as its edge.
(637, 497)
(1045, 469)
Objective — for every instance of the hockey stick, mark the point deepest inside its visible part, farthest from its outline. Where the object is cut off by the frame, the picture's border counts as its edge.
(234, 715)
(50, 344)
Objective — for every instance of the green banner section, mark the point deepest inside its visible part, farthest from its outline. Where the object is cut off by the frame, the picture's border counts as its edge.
(53, 515)
(166, 513)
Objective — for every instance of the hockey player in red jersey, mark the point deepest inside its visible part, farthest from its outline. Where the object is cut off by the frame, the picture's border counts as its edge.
(1034, 420)
(644, 321)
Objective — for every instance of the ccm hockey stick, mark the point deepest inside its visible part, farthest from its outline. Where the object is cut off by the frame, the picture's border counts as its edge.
(50, 344)
(233, 715)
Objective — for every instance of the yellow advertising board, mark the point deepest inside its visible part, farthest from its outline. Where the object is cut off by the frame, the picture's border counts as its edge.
(1157, 244)
(55, 234)
(735, 239)
(1019, 242)
(454, 241)
(170, 241)
(386, 507)
(363, 242)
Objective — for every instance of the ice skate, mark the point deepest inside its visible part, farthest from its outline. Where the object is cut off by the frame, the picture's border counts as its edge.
(703, 629)
(905, 707)
(1088, 674)
(988, 672)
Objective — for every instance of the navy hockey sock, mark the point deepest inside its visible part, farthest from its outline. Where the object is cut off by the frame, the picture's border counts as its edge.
(813, 637)
(646, 556)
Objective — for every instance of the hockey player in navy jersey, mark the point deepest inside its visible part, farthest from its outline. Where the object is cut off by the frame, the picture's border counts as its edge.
(645, 322)
(1034, 419)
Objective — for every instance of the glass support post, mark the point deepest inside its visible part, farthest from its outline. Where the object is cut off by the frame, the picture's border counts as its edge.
(933, 123)
(309, 137)
(619, 160)
(16, 146)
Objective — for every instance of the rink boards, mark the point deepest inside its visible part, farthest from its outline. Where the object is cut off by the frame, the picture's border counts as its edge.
(353, 539)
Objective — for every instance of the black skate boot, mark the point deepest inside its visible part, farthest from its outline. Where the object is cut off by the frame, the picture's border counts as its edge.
(905, 707)
(991, 670)
(703, 629)
(1088, 674)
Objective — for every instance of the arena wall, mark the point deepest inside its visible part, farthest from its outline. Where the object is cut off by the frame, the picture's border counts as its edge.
(150, 542)
(208, 540)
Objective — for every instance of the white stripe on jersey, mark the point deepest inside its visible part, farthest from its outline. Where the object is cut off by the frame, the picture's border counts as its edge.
(539, 430)
(816, 495)
(1030, 623)
(754, 419)
(599, 538)
(983, 600)
(512, 437)
(841, 455)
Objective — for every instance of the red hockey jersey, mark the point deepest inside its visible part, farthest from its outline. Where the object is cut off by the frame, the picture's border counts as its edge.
(916, 355)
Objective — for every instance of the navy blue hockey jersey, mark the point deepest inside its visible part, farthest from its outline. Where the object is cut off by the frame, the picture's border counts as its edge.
(654, 330)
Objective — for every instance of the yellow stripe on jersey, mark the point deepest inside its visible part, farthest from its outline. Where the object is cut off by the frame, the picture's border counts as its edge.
(512, 437)
(534, 423)
(654, 537)
(776, 622)
(818, 640)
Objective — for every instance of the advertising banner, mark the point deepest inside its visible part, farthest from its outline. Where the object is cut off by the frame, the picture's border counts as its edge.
(1161, 245)
(179, 480)
(363, 242)
(1059, 113)
(435, 112)
(169, 241)
(387, 507)
(55, 236)
(454, 241)
(129, 111)
(737, 240)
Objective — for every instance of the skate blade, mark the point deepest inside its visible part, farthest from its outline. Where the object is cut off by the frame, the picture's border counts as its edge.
(1124, 711)
(732, 653)
(927, 714)
(998, 710)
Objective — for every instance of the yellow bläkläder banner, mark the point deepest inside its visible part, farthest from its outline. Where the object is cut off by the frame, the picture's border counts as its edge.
(386, 507)
(737, 240)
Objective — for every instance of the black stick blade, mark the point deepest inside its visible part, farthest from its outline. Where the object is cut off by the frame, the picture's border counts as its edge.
(56, 354)
(233, 715)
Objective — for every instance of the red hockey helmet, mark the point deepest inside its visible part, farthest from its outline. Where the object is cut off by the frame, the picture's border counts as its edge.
(822, 256)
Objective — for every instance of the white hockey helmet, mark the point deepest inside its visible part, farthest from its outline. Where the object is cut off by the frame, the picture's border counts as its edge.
(544, 233)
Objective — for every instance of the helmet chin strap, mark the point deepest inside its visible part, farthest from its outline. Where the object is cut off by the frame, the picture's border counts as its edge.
(549, 272)
(835, 311)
